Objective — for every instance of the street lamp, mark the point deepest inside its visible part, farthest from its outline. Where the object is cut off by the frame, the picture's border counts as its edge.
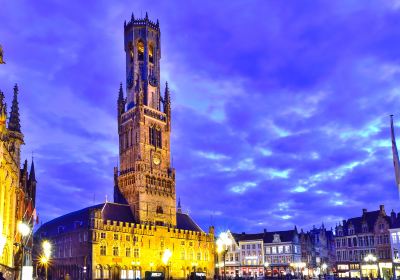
(45, 259)
(24, 230)
(223, 242)
(165, 259)
(266, 265)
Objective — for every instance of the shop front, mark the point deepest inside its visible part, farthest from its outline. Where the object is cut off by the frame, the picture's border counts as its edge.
(396, 269)
(252, 271)
(369, 270)
(343, 270)
(277, 270)
(386, 270)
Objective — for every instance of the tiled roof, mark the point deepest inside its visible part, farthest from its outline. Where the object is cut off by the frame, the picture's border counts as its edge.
(110, 211)
(68, 222)
(267, 237)
(183, 221)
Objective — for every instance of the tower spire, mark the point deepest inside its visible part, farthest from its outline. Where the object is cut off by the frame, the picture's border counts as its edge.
(32, 176)
(395, 155)
(179, 210)
(14, 123)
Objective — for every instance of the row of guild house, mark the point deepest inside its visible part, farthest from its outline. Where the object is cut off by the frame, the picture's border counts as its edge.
(363, 246)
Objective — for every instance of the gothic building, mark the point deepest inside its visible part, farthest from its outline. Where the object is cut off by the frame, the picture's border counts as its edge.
(17, 192)
(125, 238)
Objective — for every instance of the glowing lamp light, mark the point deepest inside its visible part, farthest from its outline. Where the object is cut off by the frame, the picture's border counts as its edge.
(266, 264)
(166, 256)
(23, 228)
(223, 240)
(46, 245)
(370, 258)
(324, 266)
(44, 260)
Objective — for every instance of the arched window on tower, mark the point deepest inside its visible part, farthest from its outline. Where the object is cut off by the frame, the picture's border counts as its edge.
(159, 210)
(140, 50)
(151, 53)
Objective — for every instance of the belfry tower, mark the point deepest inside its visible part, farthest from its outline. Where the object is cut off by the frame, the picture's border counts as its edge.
(146, 179)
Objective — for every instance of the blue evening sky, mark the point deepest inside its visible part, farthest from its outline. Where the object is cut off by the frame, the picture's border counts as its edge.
(280, 108)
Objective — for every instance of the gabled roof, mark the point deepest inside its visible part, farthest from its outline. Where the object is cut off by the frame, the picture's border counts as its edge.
(368, 218)
(267, 237)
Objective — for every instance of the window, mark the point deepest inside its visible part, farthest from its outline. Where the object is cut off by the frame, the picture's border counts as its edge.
(183, 254)
(123, 274)
(268, 250)
(136, 253)
(128, 238)
(128, 252)
(115, 251)
(115, 236)
(159, 210)
(103, 250)
(199, 256)
(254, 246)
(155, 137)
(274, 250)
(151, 54)
(140, 50)
(85, 236)
(98, 273)
(280, 249)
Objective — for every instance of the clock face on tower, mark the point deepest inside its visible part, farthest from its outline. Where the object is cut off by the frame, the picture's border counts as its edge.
(156, 159)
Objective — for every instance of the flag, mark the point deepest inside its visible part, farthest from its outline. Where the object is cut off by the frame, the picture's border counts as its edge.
(395, 156)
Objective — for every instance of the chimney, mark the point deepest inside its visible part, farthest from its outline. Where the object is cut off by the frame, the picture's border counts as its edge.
(265, 230)
(364, 210)
(382, 208)
(392, 217)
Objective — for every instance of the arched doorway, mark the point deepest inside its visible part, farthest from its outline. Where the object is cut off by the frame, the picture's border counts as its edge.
(115, 272)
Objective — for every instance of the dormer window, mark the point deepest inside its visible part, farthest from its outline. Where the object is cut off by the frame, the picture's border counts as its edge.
(364, 228)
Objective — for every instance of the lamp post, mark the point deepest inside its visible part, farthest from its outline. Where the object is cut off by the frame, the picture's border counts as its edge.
(223, 242)
(266, 265)
(165, 259)
(45, 258)
(24, 230)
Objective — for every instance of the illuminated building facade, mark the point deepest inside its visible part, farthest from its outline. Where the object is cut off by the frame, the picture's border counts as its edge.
(143, 229)
(18, 189)
(360, 237)
(262, 254)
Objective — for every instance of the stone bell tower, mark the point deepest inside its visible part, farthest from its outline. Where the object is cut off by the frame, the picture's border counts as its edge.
(146, 179)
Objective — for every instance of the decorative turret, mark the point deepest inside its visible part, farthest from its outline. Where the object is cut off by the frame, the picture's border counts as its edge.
(14, 123)
(1, 56)
(121, 101)
(167, 104)
(32, 183)
(3, 113)
(179, 208)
